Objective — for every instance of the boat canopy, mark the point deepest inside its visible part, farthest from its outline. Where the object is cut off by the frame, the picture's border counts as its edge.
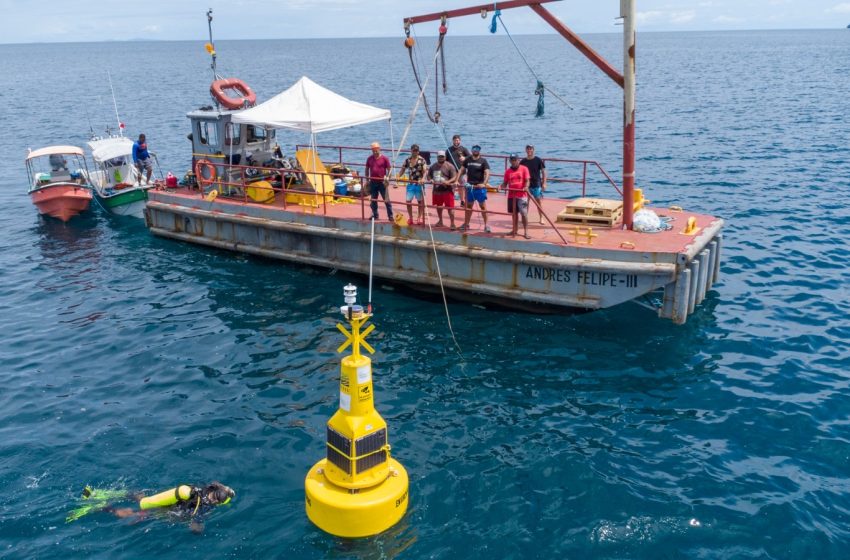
(309, 107)
(109, 148)
(65, 150)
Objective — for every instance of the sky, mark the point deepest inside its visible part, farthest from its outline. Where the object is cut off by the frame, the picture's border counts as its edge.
(30, 21)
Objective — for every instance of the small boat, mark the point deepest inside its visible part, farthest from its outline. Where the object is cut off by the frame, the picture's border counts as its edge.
(55, 189)
(117, 183)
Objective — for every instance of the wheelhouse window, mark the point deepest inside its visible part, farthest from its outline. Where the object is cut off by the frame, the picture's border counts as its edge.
(208, 133)
(232, 134)
(256, 133)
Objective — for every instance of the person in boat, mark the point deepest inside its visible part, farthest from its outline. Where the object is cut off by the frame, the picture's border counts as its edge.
(142, 157)
(474, 174)
(416, 167)
(58, 162)
(516, 181)
(378, 168)
(457, 153)
(537, 169)
(443, 175)
(183, 503)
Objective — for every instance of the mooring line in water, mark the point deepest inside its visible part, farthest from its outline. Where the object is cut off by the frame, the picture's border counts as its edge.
(442, 288)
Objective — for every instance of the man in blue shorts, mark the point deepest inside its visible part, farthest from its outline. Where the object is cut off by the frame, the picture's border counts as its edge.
(537, 169)
(475, 172)
(416, 166)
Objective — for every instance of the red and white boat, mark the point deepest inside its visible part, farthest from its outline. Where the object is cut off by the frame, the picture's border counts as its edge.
(58, 184)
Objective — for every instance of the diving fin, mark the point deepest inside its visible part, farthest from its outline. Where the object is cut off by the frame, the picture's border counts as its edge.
(95, 500)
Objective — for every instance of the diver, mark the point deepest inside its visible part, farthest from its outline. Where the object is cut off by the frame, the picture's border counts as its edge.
(183, 503)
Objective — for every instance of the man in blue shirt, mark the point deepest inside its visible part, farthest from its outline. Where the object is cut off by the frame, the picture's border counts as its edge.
(142, 158)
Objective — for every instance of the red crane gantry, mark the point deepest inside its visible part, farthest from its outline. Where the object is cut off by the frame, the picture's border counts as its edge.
(626, 80)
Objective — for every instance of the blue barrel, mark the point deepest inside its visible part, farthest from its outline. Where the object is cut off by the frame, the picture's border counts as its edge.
(340, 187)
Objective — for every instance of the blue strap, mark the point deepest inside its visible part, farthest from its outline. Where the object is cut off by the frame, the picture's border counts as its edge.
(496, 15)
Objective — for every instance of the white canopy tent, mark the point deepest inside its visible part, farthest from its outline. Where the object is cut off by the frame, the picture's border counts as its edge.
(309, 107)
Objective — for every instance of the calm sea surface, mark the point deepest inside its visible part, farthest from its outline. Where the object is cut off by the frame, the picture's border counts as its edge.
(135, 362)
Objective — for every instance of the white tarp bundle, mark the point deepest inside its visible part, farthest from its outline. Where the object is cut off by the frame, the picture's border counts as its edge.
(309, 107)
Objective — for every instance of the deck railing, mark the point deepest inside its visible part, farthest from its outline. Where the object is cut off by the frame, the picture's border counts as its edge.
(580, 176)
(245, 183)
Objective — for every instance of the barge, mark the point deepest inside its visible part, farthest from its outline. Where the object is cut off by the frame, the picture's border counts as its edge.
(244, 196)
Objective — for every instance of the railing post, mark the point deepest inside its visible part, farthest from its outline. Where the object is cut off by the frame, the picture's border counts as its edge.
(584, 180)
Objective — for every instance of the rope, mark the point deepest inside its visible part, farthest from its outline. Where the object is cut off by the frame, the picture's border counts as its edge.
(419, 100)
(434, 116)
(442, 288)
(497, 15)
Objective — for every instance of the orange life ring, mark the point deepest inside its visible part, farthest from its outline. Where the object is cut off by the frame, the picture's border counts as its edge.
(218, 91)
(202, 164)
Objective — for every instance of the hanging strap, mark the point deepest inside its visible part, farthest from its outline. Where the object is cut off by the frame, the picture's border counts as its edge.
(497, 16)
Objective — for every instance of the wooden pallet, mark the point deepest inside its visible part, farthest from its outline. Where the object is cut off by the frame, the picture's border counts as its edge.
(600, 221)
(594, 207)
(592, 212)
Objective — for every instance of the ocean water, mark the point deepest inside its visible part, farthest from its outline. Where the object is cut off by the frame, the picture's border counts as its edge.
(135, 362)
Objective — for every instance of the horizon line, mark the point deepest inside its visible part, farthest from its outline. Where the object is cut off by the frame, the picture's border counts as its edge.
(337, 38)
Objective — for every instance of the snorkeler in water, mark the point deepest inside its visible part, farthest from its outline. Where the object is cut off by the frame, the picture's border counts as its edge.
(184, 503)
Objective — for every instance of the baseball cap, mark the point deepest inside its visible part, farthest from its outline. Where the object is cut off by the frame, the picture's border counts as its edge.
(529, 147)
(476, 148)
(441, 153)
(513, 156)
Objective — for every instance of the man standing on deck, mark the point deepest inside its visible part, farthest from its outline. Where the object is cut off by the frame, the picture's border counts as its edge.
(378, 167)
(537, 169)
(416, 167)
(475, 172)
(443, 175)
(142, 158)
(517, 179)
(457, 154)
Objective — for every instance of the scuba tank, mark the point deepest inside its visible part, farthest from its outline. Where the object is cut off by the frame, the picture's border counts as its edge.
(167, 498)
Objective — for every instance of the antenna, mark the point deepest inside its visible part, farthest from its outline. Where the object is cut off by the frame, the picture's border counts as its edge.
(115, 105)
(211, 45)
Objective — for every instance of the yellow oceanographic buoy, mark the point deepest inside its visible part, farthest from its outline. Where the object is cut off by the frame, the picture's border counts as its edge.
(357, 490)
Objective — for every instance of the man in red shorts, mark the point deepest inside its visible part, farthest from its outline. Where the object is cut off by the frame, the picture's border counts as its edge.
(517, 179)
(443, 176)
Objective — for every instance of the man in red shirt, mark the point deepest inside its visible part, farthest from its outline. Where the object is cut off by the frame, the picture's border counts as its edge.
(517, 179)
(378, 168)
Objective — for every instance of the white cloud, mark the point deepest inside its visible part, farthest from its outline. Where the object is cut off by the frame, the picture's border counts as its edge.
(666, 17)
(727, 20)
(843, 8)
